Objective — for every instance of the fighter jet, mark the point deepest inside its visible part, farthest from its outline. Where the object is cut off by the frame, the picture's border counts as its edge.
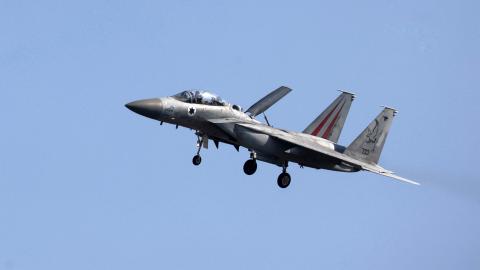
(214, 119)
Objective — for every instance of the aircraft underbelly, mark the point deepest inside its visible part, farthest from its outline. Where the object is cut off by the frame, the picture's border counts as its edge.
(312, 159)
(259, 142)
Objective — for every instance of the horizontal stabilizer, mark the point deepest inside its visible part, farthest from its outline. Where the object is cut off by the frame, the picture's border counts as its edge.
(390, 174)
(266, 102)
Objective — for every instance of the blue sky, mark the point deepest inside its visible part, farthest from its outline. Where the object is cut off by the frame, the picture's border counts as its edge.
(87, 184)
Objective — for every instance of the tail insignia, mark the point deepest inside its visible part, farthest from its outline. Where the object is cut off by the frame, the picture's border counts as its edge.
(329, 124)
(324, 121)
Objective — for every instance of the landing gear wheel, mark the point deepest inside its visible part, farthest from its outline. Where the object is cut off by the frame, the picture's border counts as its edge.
(197, 159)
(284, 180)
(250, 167)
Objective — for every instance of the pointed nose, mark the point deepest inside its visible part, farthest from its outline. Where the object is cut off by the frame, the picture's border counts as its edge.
(151, 108)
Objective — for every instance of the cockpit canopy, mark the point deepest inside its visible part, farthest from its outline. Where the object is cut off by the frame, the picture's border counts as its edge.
(200, 97)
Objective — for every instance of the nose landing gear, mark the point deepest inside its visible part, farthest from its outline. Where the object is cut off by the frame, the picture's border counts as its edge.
(197, 159)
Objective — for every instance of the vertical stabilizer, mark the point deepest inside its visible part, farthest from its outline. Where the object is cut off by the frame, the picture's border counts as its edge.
(369, 144)
(329, 123)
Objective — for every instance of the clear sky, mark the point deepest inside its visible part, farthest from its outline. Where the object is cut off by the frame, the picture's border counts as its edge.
(87, 184)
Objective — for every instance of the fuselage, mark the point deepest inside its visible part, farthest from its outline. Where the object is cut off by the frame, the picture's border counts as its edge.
(214, 119)
(229, 124)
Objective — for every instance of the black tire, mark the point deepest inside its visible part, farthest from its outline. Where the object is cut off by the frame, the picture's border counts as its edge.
(250, 167)
(284, 180)
(197, 159)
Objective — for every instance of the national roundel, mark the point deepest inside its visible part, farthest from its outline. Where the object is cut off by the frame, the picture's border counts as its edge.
(192, 111)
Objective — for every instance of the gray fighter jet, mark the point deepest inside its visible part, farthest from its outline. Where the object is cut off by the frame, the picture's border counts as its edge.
(214, 119)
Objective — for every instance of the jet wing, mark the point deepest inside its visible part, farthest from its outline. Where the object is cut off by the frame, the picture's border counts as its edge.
(222, 129)
(310, 143)
(266, 102)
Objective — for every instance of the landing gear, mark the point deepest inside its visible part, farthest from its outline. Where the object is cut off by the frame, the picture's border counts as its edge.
(284, 178)
(197, 159)
(250, 167)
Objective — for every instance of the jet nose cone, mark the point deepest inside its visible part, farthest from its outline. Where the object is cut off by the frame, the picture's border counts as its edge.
(135, 105)
(151, 108)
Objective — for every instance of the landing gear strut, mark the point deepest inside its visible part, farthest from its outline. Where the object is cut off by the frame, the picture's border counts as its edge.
(250, 166)
(284, 178)
(197, 159)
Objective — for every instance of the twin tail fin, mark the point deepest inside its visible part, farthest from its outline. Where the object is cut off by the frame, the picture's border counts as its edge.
(329, 123)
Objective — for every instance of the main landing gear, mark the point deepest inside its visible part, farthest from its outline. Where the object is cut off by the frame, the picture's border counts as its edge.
(250, 166)
(284, 178)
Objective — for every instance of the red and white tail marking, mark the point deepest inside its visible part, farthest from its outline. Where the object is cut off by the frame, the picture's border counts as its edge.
(329, 128)
(332, 124)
